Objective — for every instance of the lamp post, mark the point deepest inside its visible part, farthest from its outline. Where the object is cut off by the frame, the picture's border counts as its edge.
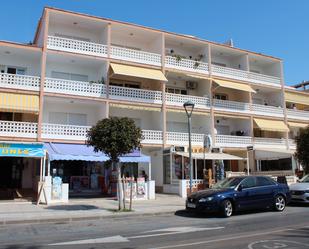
(189, 106)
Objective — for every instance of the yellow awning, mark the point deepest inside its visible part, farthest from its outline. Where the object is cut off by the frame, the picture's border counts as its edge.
(139, 72)
(234, 85)
(297, 98)
(19, 102)
(297, 125)
(271, 125)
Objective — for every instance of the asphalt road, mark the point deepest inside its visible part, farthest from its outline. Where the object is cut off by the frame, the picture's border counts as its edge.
(262, 230)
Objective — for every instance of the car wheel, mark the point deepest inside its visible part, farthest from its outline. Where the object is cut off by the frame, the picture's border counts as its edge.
(227, 208)
(279, 203)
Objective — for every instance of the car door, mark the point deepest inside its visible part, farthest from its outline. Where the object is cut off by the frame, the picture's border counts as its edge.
(264, 191)
(245, 197)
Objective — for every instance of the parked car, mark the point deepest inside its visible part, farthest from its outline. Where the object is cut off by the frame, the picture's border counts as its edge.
(240, 193)
(300, 191)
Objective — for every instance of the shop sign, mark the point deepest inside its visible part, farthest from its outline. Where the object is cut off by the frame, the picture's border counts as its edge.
(21, 150)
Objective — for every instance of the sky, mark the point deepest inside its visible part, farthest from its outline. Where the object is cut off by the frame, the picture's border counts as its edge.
(279, 28)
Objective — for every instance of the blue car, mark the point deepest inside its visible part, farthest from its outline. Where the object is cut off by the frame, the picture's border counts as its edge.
(240, 193)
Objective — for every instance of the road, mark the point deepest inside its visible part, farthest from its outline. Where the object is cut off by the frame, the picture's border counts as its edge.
(262, 230)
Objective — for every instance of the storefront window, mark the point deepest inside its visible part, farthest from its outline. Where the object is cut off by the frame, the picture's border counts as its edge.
(272, 165)
(167, 168)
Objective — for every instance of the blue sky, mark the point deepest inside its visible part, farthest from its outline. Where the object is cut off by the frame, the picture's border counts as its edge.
(274, 27)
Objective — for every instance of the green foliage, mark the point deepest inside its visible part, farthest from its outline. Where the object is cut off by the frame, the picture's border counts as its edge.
(302, 148)
(115, 137)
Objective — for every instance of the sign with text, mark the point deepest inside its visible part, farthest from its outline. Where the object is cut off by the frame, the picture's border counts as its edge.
(21, 150)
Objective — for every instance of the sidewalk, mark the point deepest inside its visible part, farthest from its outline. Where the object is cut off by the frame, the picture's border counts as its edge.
(85, 209)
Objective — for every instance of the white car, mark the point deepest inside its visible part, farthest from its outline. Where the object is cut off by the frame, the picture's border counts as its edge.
(300, 191)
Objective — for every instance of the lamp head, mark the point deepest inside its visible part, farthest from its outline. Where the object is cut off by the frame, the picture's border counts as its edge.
(189, 106)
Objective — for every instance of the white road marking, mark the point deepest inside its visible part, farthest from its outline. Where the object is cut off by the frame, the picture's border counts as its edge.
(112, 239)
(183, 229)
(225, 239)
(275, 244)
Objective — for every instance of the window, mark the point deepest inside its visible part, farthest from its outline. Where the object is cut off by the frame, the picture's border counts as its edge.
(16, 70)
(263, 181)
(68, 118)
(248, 182)
(220, 96)
(176, 90)
(69, 76)
(129, 84)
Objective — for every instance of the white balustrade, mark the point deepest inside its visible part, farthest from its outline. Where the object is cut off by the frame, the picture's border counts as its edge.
(179, 100)
(15, 81)
(233, 141)
(233, 106)
(267, 110)
(135, 56)
(262, 78)
(152, 137)
(281, 142)
(229, 72)
(60, 131)
(18, 129)
(74, 87)
(133, 94)
(195, 183)
(181, 138)
(186, 64)
(76, 46)
(297, 114)
(292, 144)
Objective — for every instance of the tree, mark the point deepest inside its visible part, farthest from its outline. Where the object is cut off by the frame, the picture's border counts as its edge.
(302, 148)
(115, 137)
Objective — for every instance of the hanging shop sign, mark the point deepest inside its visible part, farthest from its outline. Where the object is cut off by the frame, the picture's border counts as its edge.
(21, 150)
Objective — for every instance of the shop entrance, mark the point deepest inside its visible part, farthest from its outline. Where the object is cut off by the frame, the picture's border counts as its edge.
(11, 172)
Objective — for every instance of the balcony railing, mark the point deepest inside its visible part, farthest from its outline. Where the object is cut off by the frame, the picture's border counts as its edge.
(132, 94)
(183, 139)
(24, 82)
(61, 131)
(186, 64)
(152, 137)
(135, 56)
(233, 141)
(18, 129)
(244, 75)
(269, 141)
(297, 114)
(76, 46)
(74, 87)
(292, 144)
(233, 106)
(267, 110)
(178, 100)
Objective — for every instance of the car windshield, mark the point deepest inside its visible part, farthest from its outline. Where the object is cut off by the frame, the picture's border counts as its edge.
(305, 179)
(228, 183)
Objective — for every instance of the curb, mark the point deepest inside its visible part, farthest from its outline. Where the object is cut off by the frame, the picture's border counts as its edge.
(80, 218)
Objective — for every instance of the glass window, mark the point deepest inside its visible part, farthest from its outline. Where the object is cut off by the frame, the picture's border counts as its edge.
(263, 181)
(249, 182)
(79, 77)
(57, 118)
(77, 119)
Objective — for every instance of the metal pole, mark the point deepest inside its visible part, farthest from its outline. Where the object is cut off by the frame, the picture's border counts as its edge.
(190, 153)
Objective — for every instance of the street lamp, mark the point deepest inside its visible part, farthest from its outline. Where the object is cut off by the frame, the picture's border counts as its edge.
(189, 106)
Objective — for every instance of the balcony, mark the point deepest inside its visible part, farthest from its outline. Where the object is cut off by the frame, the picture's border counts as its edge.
(18, 129)
(292, 144)
(152, 137)
(21, 82)
(233, 141)
(179, 99)
(267, 110)
(134, 55)
(74, 88)
(269, 142)
(297, 114)
(186, 64)
(245, 75)
(133, 94)
(232, 106)
(180, 138)
(76, 46)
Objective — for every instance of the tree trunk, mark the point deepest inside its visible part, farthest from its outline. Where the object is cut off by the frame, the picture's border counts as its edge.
(119, 188)
(131, 192)
(124, 192)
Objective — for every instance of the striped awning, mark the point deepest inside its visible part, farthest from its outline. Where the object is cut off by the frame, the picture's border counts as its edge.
(270, 125)
(234, 85)
(297, 125)
(11, 102)
(299, 98)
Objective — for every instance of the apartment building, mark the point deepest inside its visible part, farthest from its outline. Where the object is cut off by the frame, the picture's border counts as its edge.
(82, 68)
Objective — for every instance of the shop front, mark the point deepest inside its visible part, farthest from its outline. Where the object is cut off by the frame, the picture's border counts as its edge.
(206, 169)
(21, 169)
(90, 173)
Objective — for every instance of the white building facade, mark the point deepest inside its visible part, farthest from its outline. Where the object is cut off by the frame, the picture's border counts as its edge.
(81, 69)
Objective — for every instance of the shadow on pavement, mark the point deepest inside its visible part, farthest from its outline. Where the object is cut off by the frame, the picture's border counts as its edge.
(21, 247)
(190, 214)
(293, 204)
(72, 207)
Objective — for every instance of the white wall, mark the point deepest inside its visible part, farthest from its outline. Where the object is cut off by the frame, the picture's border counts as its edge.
(272, 99)
(156, 164)
(94, 113)
(233, 125)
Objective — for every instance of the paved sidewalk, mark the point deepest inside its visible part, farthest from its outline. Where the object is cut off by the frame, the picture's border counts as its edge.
(83, 209)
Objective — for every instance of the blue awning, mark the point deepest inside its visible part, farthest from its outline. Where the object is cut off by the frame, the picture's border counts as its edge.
(82, 152)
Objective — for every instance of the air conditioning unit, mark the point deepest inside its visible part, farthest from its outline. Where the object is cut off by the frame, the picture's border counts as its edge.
(191, 85)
